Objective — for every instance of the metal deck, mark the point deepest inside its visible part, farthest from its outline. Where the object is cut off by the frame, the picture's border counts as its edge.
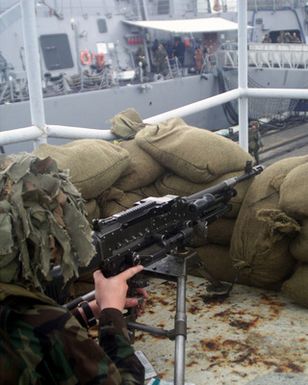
(251, 334)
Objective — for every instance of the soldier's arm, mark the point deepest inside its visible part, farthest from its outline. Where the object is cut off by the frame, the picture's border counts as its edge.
(113, 337)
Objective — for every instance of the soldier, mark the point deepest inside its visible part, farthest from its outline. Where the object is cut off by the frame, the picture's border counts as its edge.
(160, 59)
(42, 223)
(3, 68)
(255, 140)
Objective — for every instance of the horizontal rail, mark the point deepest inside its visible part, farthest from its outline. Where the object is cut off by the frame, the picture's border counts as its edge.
(202, 105)
(68, 132)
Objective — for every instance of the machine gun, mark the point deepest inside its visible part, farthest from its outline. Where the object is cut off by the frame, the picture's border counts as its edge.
(154, 233)
(156, 227)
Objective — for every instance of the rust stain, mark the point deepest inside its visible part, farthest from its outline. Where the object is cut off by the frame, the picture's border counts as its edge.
(209, 344)
(193, 309)
(245, 325)
(289, 367)
(192, 363)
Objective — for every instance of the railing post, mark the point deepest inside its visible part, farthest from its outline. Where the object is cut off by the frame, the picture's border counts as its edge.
(32, 58)
(242, 73)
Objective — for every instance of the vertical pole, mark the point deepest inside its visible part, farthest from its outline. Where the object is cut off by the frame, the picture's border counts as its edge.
(242, 73)
(180, 328)
(32, 59)
(145, 10)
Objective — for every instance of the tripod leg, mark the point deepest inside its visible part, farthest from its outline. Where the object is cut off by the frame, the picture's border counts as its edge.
(180, 330)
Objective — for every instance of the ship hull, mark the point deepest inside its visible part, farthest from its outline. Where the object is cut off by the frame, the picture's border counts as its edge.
(95, 109)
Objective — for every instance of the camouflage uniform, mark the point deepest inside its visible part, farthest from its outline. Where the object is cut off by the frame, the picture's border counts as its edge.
(254, 141)
(41, 342)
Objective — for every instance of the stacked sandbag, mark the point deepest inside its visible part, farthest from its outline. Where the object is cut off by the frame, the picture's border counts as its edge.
(126, 123)
(195, 154)
(92, 209)
(265, 227)
(94, 165)
(173, 184)
(197, 159)
(116, 200)
(142, 169)
(217, 262)
(294, 201)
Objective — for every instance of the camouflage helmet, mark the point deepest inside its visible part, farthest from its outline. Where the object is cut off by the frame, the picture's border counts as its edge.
(39, 206)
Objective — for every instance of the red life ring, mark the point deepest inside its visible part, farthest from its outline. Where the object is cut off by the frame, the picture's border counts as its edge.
(100, 60)
(85, 57)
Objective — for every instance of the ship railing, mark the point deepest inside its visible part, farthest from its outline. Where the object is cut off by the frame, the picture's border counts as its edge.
(255, 5)
(293, 56)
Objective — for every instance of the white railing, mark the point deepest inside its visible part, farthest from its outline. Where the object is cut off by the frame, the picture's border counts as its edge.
(39, 132)
(293, 56)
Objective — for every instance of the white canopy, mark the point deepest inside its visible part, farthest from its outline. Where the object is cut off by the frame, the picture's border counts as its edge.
(210, 24)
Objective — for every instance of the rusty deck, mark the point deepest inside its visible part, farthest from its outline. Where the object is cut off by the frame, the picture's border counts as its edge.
(249, 334)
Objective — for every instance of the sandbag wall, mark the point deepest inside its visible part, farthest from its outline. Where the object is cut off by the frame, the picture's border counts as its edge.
(174, 158)
(269, 243)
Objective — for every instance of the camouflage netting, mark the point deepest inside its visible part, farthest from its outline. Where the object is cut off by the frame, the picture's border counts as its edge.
(39, 208)
(259, 242)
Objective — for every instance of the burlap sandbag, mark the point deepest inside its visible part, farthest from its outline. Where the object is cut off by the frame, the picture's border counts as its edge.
(261, 236)
(122, 203)
(94, 165)
(294, 192)
(148, 191)
(296, 287)
(126, 123)
(173, 184)
(142, 169)
(299, 246)
(217, 261)
(93, 211)
(218, 232)
(192, 153)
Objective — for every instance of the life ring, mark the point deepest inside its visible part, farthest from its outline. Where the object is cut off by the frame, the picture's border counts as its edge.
(100, 60)
(85, 57)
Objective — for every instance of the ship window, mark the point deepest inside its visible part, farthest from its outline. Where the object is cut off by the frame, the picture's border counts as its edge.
(56, 51)
(102, 25)
(163, 7)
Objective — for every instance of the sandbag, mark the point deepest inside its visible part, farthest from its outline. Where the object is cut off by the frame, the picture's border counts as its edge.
(195, 154)
(296, 287)
(262, 233)
(175, 185)
(217, 261)
(299, 246)
(220, 231)
(142, 169)
(94, 165)
(122, 203)
(294, 192)
(93, 210)
(126, 123)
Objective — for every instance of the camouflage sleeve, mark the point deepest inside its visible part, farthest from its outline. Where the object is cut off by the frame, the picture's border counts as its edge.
(54, 349)
(114, 339)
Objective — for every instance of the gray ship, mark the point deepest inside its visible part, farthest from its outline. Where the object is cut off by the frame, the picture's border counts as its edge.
(101, 57)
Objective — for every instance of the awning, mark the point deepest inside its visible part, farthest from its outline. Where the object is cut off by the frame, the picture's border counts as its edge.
(210, 24)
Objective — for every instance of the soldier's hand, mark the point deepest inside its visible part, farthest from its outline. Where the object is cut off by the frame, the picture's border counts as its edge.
(138, 302)
(111, 292)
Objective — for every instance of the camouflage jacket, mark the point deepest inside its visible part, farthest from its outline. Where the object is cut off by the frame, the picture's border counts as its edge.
(42, 343)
